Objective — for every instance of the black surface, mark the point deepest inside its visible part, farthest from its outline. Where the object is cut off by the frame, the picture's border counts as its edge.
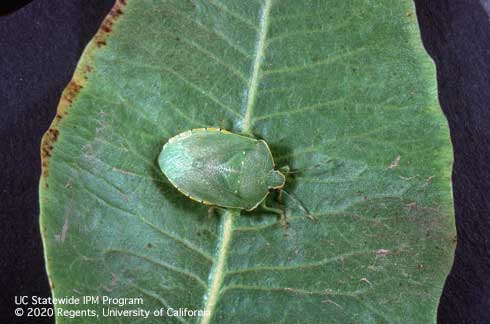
(457, 34)
(8, 6)
(39, 47)
(41, 43)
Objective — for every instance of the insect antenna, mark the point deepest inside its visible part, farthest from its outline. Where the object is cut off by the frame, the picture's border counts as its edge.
(288, 171)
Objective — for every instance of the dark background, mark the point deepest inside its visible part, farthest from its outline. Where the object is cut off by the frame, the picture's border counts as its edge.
(41, 41)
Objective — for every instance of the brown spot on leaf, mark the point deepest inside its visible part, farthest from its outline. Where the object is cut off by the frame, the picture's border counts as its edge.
(412, 206)
(74, 87)
(100, 43)
(45, 152)
(116, 12)
(71, 91)
(100, 39)
(47, 147)
(54, 134)
(106, 28)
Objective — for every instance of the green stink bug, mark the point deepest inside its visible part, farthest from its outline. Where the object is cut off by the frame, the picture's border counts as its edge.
(218, 168)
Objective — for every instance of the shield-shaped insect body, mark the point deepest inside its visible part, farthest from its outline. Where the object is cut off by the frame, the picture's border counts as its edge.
(219, 168)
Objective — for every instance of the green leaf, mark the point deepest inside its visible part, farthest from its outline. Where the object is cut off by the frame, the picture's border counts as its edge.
(341, 81)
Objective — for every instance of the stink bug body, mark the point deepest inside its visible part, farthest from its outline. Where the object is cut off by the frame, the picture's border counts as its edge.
(219, 168)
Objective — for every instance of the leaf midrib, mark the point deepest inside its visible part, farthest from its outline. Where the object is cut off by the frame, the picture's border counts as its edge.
(218, 270)
(259, 54)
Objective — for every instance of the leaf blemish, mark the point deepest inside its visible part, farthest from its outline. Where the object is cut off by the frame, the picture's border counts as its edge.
(117, 12)
(101, 43)
(412, 206)
(382, 252)
(395, 163)
(107, 28)
(62, 236)
(72, 91)
(47, 147)
(107, 25)
(110, 287)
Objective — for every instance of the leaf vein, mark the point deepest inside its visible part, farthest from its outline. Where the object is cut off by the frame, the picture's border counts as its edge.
(160, 299)
(236, 15)
(225, 38)
(300, 266)
(160, 264)
(328, 61)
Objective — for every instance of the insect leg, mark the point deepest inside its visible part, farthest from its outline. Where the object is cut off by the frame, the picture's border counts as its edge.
(299, 204)
(285, 169)
(214, 210)
(224, 123)
(278, 211)
(211, 211)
